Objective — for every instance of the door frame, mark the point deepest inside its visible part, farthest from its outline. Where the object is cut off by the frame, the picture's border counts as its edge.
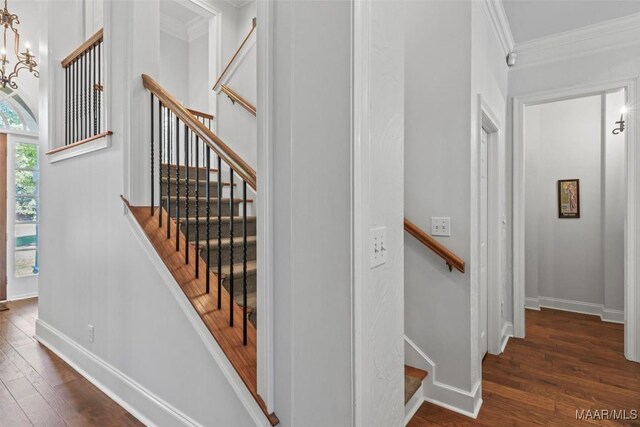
(631, 240)
(496, 273)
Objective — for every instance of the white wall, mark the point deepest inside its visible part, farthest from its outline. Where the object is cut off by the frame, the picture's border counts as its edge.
(199, 86)
(570, 260)
(94, 271)
(379, 291)
(174, 67)
(453, 43)
(312, 229)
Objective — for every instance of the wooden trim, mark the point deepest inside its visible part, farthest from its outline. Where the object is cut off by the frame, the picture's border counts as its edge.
(235, 55)
(80, 50)
(84, 141)
(240, 100)
(236, 162)
(3, 216)
(200, 114)
(449, 257)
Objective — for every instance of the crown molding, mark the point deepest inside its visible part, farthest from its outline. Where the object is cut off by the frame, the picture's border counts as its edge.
(607, 35)
(173, 27)
(197, 28)
(238, 3)
(498, 19)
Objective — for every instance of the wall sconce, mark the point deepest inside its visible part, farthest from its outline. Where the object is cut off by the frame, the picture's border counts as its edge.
(620, 122)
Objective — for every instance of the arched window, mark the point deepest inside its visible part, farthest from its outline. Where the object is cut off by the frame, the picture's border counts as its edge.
(15, 114)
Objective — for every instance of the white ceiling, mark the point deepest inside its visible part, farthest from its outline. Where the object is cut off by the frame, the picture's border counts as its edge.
(532, 19)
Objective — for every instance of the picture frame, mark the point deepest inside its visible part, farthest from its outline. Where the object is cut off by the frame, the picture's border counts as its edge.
(569, 198)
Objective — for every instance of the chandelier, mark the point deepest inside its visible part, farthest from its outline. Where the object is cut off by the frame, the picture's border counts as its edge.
(24, 60)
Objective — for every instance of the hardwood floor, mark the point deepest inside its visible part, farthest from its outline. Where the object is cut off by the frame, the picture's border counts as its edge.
(38, 388)
(567, 362)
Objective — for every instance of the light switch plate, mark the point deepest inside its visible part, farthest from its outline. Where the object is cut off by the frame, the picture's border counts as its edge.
(440, 226)
(378, 246)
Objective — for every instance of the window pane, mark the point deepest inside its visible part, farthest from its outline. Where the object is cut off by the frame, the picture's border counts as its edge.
(12, 117)
(26, 209)
(26, 183)
(26, 156)
(26, 263)
(26, 235)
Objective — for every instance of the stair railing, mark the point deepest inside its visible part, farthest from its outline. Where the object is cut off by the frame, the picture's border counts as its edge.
(235, 98)
(235, 55)
(449, 257)
(83, 89)
(186, 146)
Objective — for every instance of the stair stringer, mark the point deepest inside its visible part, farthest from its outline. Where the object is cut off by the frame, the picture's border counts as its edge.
(198, 325)
(441, 394)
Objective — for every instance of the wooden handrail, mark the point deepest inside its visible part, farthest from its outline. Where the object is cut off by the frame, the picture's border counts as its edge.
(449, 257)
(240, 100)
(83, 141)
(235, 55)
(80, 50)
(200, 114)
(234, 161)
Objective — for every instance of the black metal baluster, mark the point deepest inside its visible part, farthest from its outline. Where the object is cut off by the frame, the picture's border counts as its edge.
(85, 95)
(169, 137)
(76, 133)
(178, 183)
(231, 299)
(153, 176)
(197, 151)
(244, 262)
(160, 157)
(95, 92)
(208, 231)
(66, 106)
(101, 87)
(82, 99)
(187, 161)
(219, 208)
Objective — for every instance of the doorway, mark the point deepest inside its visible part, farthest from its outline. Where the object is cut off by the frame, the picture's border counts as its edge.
(593, 201)
(489, 233)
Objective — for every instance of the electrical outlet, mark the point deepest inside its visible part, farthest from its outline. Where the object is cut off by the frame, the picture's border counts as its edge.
(378, 243)
(440, 226)
(91, 333)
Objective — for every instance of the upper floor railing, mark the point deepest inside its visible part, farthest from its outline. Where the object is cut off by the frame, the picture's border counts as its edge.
(83, 92)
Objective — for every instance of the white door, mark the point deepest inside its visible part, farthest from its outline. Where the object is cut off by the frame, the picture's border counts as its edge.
(484, 214)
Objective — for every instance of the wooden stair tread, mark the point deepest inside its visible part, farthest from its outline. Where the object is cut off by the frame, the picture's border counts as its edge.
(415, 372)
(201, 181)
(226, 242)
(252, 267)
(214, 218)
(171, 165)
(213, 199)
(411, 386)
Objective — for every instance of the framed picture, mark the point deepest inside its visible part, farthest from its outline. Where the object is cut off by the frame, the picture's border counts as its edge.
(569, 198)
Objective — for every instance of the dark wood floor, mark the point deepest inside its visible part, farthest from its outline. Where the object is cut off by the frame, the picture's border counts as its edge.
(567, 362)
(38, 388)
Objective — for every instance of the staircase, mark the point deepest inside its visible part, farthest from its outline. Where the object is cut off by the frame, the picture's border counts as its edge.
(413, 390)
(194, 227)
(200, 222)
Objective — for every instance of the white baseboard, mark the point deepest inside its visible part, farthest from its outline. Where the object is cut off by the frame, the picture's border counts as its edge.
(23, 296)
(607, 315)
(464, 402)
(532, 303)
(507, 332)
(413, 405)
(140, 402)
